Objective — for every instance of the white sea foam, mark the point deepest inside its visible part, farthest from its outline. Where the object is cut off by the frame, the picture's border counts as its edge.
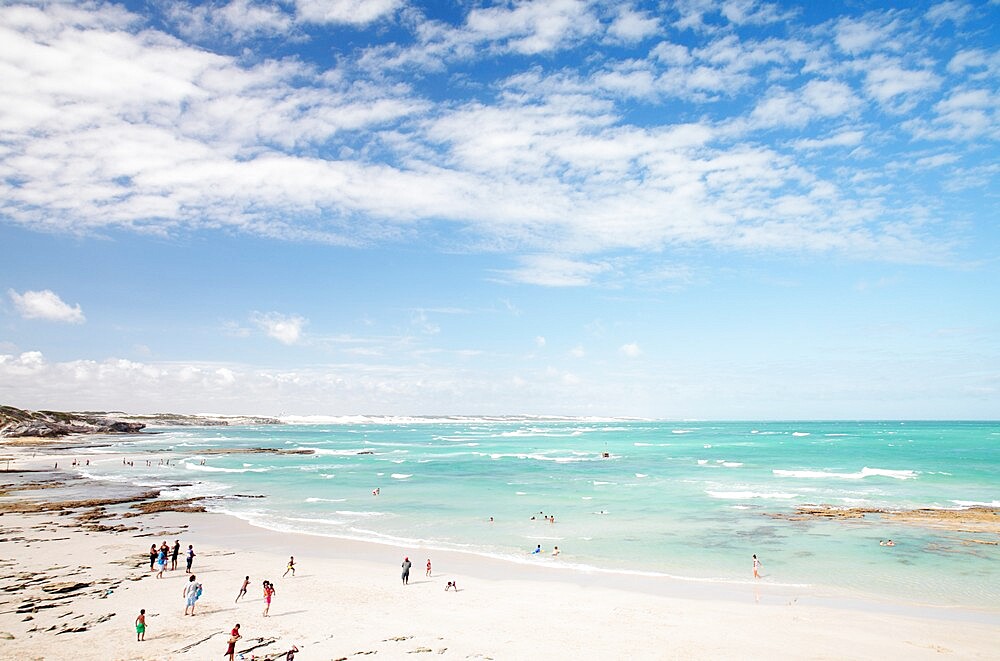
(976, 503)
(401, 476)
(730, 464)
(743, 495)
(362, 514)
(863, 473)
(641, 475)
(344, 453)
(218, 469)
(800, 433)
(702, 462)
(325, 500)
(598, 483)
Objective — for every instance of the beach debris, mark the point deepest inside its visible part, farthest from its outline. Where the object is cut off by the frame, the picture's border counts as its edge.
(397, 639)
(420, 650)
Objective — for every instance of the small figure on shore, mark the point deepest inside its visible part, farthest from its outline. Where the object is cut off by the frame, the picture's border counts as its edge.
(406, 571)
(161, 560)
(428, 573)
(243, 588)
(451, 585)
(268, 593)
(190, 558)
(140, 626)
(153, 553)
(756, 566)
(290, 568)
(290, 654)
(233, 637)
(191, 593)
(174, 553)
(555, 551)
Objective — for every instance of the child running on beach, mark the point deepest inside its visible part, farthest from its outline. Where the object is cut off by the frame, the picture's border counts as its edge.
(243, 588)
(428, 567)
(290, 568)
(140, 626)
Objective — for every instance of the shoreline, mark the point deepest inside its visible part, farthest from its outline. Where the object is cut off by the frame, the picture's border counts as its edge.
(564, 569)
(347, 601)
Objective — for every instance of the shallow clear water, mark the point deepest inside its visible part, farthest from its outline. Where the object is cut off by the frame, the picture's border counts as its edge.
(690, 500)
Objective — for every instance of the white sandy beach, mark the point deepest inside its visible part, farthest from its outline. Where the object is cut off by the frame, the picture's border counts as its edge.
(347, 601)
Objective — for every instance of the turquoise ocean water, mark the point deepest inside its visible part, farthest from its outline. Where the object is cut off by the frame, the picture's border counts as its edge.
(686, 500)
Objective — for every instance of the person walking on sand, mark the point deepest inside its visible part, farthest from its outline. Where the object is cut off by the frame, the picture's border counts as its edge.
(190, 559)
(243, 588)
(233, 637)
(161, 561)
(756, 566)
(290, 568)
(268, 593)
(191, 593)
(153, 553)
(174, 553)
(406, 571)
(140, 626)
(428, 567)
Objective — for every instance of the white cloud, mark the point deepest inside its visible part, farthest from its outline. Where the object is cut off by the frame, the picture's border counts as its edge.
(47, 305)
(539, 341)
(849, 138)
(238, 20)
(554, 271)
(887, 79)
(631, 25)
(577, 351)
(287, 329)
(172, 138)
(631, 350)
(955, 11)
(357, 12)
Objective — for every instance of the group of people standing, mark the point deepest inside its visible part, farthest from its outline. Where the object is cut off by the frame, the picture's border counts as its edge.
(158, 557)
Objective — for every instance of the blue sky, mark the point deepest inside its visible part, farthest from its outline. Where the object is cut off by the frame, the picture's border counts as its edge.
(696, 209)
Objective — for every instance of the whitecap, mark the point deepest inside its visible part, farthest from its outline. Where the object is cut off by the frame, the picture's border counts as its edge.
(401, 476)
(800, 433)
(325, 500)
(863, 473)
(742, 495)
(641, 475)
(702, 462)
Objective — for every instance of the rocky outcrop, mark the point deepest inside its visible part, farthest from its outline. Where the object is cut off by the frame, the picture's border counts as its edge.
(19, 423)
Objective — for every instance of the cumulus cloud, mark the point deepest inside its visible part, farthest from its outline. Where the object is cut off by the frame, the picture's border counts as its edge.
(175, 138)
(357, 12)
(287, 329)
(47, 305)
